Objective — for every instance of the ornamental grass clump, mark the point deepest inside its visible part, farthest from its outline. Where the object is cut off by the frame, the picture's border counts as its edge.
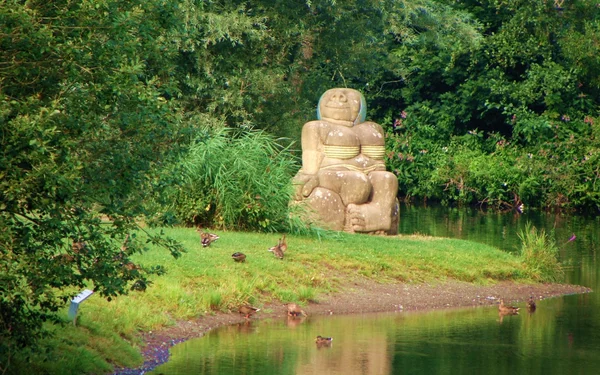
(540, 255)
(230, 179)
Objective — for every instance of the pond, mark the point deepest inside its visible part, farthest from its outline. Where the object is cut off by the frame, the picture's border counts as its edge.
(561, 336)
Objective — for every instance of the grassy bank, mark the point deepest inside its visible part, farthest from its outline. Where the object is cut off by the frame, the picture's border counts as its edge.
(205, 280)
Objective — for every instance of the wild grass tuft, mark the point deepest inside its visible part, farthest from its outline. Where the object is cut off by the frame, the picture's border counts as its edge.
(540, 255)
(307, 293)
(213, 300)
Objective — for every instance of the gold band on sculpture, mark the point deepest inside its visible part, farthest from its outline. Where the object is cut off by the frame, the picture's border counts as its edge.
(347, 152)
(341, 152)
(375, 152)
(355, 168)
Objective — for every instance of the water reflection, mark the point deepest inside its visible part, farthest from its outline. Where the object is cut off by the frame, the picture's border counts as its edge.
(474, 340)
(360, 345)
(502, 314)
(498, 229)
(562, 335)
(294, 321)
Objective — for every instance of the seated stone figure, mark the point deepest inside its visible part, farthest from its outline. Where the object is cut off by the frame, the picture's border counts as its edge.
(343, 177)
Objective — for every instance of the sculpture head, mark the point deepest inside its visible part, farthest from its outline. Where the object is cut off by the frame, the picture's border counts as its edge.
(347, 106)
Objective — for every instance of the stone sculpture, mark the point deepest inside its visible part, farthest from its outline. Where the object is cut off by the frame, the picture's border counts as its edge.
(343, 179)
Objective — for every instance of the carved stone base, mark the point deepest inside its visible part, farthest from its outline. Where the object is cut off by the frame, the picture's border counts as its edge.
(326, 209)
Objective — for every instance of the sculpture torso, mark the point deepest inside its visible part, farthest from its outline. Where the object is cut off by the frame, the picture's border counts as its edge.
(358, 148)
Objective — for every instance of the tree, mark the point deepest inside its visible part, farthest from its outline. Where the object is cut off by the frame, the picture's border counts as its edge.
(84, 121)
(95, 97)
(527, 89)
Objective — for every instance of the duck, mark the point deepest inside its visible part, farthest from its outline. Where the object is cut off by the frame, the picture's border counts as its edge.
(276, 250)
(283, 244)
(531, 304)
(323, 341)
(248, 311)
(239, 257)
(130, 266)
(507, 309)
(125, 245)
(64, 259)
(123, 254)
(294, 310)
(207, 238)
(79, 247)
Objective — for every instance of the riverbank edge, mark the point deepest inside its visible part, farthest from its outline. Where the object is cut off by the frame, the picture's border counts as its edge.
(360, 297)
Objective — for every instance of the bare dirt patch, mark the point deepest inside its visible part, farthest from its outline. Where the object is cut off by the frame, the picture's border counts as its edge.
(364, 296)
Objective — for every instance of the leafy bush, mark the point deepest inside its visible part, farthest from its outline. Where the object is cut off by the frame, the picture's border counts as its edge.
(559, 171)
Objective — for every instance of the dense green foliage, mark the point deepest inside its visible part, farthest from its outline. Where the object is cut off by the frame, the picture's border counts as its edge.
(83, 124)
(512, 120)
(491, 102)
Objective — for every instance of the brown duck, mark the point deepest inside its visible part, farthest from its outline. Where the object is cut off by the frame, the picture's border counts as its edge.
(283, 244)
(276, 250)
(502, 308)
(247, 311)
(531, 304)
(294, 310)
(79, 247)
(207, 238)
(323, 341)
(239, 257)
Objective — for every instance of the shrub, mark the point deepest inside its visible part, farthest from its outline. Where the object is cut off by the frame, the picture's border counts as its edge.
(229, 179)
(540, 255)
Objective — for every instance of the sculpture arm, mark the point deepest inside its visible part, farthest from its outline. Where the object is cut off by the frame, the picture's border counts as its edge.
(312, 156)
(312, 147)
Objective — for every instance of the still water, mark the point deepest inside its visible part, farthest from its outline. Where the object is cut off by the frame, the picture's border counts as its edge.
(561, 337)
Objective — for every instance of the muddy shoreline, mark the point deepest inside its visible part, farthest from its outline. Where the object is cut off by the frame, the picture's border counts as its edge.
(361, 297)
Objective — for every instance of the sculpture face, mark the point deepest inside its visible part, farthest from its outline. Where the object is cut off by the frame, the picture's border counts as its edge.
(340, 104)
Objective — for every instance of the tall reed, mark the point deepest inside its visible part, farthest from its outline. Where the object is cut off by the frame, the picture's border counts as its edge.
(233, 179)
(540, 254)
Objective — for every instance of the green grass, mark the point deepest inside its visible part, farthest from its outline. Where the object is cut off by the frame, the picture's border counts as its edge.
(205, 280)
(540, 254)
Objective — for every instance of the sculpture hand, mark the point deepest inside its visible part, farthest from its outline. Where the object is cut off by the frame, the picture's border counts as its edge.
(304, 185)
